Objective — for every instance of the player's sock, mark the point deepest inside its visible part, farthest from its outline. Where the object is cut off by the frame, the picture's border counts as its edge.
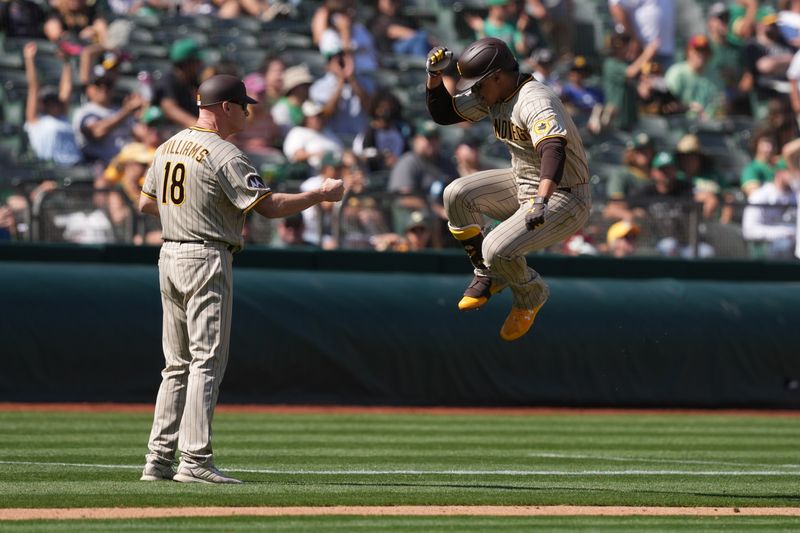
(471, 238)
(479, 290)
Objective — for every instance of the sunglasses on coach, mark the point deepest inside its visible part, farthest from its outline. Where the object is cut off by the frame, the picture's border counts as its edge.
(243, 106)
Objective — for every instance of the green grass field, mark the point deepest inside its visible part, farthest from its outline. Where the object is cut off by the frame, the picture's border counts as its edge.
(64, 459)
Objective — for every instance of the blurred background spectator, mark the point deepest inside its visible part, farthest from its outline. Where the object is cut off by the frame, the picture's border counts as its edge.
(261, 136)
(292, 231)
(621, 238)
(50, 133)
(630, 178)
(337, 28)
(648, 21)
(22, 18)
(313, 139)
(416, 235)
(75, 23)
(771, 219)
(287, 112)
(697, 168)
(504, 22)
(273, 69)
(422, 174)
(343, 94)
(176, 92)
(687, 80)
(583, 100)
(397, 34)
(761, 168)
(386, 136)
(725, 65)
(554, 19)
(667, 200)
(102, 129)
(318, 220)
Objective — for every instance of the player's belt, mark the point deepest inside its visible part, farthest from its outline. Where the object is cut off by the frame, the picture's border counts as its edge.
(229, 246)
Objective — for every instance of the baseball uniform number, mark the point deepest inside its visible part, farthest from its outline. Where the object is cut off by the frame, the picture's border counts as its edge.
(175, 183)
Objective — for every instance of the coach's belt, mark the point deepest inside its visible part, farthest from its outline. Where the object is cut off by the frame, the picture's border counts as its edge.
(564, 189)
(229, 246)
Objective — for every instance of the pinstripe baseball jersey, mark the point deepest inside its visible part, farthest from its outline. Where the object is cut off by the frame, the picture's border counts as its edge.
(204, 186)
(531, 114)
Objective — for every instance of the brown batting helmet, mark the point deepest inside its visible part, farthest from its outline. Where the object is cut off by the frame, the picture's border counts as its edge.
(481, 59)
(222, 88)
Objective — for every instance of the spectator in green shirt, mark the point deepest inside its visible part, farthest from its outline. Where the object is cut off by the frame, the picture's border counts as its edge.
(619, 81)
(688, 81)
(698, 168)
(633, 176)
(761, 168)
(502, 22)
(744, 15)
(725, 66)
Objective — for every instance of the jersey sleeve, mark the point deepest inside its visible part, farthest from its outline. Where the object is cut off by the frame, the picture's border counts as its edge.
(241, 183)
(150, 183)
(468, 106)
(542, 117)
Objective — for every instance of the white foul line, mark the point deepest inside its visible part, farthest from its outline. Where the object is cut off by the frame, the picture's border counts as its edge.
(522, 473)
(550, 455)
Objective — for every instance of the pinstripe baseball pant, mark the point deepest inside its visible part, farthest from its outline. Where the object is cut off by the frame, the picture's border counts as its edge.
(495, 193)
(197, 298)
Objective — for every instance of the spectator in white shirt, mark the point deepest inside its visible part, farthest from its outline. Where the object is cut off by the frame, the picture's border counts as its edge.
(50, 133)
(310, 141)
(648, 20)
(771, 217)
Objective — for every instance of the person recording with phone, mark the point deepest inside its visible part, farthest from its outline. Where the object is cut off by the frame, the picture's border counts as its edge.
(344, 97)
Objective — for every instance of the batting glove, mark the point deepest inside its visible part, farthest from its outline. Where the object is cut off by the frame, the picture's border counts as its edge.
(438, 60)
(535, 215)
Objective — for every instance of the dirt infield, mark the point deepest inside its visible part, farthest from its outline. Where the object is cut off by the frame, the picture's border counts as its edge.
(400, 510)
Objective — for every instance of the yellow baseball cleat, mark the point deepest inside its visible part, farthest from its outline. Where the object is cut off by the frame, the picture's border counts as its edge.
(478, 293)
(518, 322)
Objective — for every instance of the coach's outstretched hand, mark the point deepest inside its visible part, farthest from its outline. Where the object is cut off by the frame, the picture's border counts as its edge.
(332, 190)
(535, 215)
(438, 60)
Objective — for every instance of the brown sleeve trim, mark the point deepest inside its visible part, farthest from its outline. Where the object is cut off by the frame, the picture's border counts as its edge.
(553, 155)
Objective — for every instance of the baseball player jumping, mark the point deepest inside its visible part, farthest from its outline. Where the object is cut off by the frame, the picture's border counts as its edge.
(201, 186)
(542, 199)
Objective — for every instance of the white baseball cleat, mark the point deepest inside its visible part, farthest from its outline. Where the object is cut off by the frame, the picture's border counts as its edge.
(157, 472)
(202, 474)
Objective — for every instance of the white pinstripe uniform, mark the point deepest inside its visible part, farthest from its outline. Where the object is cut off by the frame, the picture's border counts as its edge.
(203, 186)
(531, 114)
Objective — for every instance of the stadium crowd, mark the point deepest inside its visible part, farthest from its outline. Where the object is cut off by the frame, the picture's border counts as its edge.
(691, 128)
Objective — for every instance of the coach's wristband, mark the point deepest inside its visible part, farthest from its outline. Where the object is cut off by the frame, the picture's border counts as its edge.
(539, 200)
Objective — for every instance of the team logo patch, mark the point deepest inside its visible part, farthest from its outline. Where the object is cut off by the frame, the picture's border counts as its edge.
(255, 182)
(543, 127)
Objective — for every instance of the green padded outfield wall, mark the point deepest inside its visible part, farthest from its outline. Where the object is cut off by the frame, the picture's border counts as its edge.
(366, 328)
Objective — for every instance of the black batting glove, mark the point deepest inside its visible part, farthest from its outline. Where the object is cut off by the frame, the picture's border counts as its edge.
(437, 60)
(535, 215)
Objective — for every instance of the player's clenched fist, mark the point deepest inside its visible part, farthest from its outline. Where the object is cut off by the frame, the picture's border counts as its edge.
(332, 190)
(437, 60)
(535, 215)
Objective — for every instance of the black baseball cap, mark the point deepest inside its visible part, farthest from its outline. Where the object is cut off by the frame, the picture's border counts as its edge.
(223, 88)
